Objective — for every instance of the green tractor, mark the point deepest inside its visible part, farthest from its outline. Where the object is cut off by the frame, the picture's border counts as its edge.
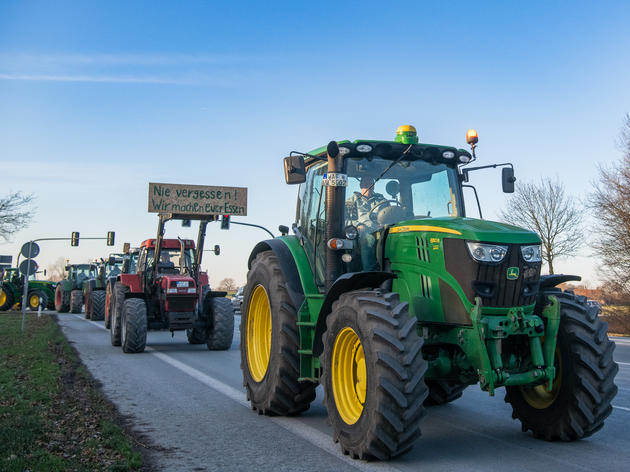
(398, 302)
(12, 286)
(69, 291)
(94, 288)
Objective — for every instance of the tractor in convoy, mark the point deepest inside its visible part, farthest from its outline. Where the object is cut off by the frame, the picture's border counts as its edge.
(94, 288)
(393, 299)
(128, 266)
(69, 291)
(12, 286)
(169, 291)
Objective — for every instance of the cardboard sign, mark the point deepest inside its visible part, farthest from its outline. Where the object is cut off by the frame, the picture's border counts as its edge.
(197, 199)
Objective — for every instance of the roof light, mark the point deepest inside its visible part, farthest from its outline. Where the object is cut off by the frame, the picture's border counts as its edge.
(448, 154)
(472, 137)
(343, 150)
(363, 148)
(406, 134)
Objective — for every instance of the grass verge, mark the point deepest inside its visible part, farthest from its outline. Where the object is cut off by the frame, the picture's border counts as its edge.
(52, 416)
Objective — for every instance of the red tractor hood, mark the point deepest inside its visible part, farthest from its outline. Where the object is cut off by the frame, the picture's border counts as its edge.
(178, 284)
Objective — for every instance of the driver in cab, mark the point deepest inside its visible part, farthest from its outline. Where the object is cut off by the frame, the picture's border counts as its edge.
(362, 208)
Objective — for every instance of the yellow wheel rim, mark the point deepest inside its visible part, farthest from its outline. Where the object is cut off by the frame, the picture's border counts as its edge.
(540, 397)
(258, 333)
(3, 297)
(34, 301)
(349, 375)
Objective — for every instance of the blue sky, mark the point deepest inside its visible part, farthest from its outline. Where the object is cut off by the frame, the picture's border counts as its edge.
(98, 99)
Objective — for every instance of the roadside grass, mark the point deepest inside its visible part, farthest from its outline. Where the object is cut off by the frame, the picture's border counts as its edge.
(52, 417)
(618, 318)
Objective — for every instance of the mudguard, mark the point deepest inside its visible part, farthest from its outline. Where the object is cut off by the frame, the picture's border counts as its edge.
(345, 283)
(548, 281)
(132, 281)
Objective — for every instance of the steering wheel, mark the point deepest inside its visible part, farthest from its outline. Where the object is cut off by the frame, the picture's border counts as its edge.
(373, 217)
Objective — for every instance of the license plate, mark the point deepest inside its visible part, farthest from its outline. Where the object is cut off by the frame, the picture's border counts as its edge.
(182, 284)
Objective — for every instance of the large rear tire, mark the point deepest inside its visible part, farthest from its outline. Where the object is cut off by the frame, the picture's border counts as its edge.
(373, 373)
(98, 305)
(270, 343)
(62, 299)
(134, 325)
(582, 393)
(76, 301)
(221, 332)
(443, 391)
(6, 299)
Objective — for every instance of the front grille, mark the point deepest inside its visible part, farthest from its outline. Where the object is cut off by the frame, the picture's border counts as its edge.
(489, 281)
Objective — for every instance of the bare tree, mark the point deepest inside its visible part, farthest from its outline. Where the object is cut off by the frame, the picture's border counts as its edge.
(56, 270)
(227, 284)
(610, 201)
(544, 208)
(15, 213)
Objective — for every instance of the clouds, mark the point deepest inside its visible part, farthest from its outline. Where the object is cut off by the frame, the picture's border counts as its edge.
(151, 68)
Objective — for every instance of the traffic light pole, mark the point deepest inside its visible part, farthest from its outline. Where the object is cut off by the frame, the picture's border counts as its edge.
(254, 226)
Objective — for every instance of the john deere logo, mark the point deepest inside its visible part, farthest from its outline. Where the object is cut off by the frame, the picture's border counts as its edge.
(512, 273)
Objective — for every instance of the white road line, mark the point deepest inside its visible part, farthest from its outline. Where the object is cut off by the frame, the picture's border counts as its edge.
(621, 408)
(623, 363)
(308, 433)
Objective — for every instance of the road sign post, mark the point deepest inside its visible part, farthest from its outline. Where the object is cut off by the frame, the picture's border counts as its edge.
(27, 267)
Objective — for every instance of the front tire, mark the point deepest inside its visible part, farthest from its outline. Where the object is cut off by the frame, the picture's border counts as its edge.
(221, 332)
(76, 301)
(134, 325)
(373, 373)
(33, 300)
(62, 299)
(118, 301)
(270, 343)
(582, 393)
(98, 305)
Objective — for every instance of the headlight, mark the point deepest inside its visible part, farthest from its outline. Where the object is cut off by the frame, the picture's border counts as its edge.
(486, 252)
(531, 253)
(351, 232)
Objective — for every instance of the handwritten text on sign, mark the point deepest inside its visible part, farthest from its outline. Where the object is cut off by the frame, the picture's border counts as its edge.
(197, 199)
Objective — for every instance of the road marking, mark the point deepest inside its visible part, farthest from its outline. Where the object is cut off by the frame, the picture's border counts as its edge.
(310, 434)
(621, 408)
(623, 363)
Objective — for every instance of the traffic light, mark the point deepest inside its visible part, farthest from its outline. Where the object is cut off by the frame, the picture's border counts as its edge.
(75, 239)
(110, 238)
(225, 222)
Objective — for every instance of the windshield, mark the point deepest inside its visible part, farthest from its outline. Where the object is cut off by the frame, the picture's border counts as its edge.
(170, 261)
(408, 190)
(112, 270)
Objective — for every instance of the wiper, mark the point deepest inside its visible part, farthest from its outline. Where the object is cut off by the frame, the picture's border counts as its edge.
(404, 153)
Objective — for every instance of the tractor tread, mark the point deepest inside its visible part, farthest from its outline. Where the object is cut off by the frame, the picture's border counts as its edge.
(280, 392)
(398, 368)
(583, 407)
(76, 301)
(221, 333)
(134, 337)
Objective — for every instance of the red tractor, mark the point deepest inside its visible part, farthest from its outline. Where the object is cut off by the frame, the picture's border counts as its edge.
(169, 291)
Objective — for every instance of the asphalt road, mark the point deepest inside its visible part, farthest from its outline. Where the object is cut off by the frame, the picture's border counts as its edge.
(191, 403)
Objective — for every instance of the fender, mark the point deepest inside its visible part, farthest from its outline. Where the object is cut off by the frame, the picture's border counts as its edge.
(287, 265)
(345, 283)
(132, 281)
(548, 281)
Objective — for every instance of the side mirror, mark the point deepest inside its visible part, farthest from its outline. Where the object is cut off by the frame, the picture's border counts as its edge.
(217, 250)
(284, 230)
(112, 260)
(508, 179)
(294, 170)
